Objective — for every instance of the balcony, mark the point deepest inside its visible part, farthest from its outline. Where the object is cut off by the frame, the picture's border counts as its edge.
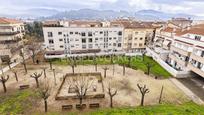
(181, 51)
(179, 61)
(196, 70)
(196, 57)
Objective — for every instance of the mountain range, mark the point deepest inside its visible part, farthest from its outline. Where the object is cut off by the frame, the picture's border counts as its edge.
(42, 14)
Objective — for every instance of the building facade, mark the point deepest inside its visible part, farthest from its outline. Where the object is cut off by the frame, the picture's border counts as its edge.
(11, 34)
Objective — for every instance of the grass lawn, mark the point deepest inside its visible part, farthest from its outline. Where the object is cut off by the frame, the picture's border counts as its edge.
(16, 103)
(136, 63)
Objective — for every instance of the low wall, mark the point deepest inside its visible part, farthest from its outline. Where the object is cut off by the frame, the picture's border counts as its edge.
(171, 70)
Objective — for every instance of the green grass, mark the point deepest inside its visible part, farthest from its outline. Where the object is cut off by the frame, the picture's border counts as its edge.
(136, 63)
(16, 103)
(188, 108)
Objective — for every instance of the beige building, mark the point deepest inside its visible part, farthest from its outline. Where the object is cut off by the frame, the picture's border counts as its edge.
(136, 34)
(11, 34)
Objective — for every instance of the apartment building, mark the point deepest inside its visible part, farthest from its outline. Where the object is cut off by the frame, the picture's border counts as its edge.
(67, 38)
(11, 34)
(136, 34)
(187, 51)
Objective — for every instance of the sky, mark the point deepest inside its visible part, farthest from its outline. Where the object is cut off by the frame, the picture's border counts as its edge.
(195, 7)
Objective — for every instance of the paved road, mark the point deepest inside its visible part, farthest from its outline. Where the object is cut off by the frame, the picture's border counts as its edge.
(195, 84)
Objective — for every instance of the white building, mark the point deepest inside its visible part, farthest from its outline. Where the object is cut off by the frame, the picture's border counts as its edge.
(11, 34)
(71, 38)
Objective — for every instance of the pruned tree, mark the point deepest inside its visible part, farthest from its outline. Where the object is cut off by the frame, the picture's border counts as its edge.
(81, 85)
(36, 76)
(44, 93)
(111, 92)
(129, 61)
(111, 58)
(143, 90)
(33, 46)
(24, 62)
(149, 66)
(3, 80)
(15, 74)
(113, 65)
(105, 70)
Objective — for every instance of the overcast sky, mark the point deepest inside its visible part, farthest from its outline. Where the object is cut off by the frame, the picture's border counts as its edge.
(195, 7)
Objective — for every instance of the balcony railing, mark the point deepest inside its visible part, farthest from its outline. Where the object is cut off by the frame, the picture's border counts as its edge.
(198, 58)
(181, 51)
(179, 61)
(196, 70)
(9, 33)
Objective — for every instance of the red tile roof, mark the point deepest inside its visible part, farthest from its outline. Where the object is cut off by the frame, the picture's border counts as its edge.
(9, 21)
(197, 29)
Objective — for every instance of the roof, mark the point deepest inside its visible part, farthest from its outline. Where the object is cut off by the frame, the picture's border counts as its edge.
(132, 24)
(4, 20)
(84, 22)
(197, 29)
(171, 30)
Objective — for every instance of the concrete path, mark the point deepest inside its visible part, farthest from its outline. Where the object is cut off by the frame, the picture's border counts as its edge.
(187, 91)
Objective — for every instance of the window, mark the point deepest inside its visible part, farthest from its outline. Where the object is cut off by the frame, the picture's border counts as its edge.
(49, 34)
(83, 40)
(141, 38)
(51, 41)
(110, 38)
(114, 44)
(96, 38)
(76, 33)
(197, 38)
(114, 38)
(89, 33)
(135, 44)
(60, 40)
(136, 33)
(90, 46)
(101, 32)
(61, 46)
(76, 40)
(135, 38)
(83, 34)
(71, 33)
(120, 33)
(59, 33)
(90, 40)
(83, 46)
(119, 44)
(140, 44)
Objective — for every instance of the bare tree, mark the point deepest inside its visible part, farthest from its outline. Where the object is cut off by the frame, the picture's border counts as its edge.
(44, 92)
(24, 62)
(129, 61)
(124, 68)
(149, 66)
(33, 46)
(15, 74)
(36, 76)
(111, 93)
(143, 90)
(3, 80)
(81, 85)
(105, 70)
(143, 55)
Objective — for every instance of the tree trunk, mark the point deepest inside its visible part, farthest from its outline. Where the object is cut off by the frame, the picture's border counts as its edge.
(37, 83)
(111, 101)
(25, 68)
(16, 76)
(4, 86)
(50, 65)
(123, 69)
(104, 73)
(45, 101)
(142, 101)
(80, 101)
(73, 69)
(45, 73)
(113, 69)
(96, 67)
(148, 71)
(33, 56)
(160, 97)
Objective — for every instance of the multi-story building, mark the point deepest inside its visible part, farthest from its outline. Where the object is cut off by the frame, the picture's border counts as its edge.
(136, 34)
(11, 34)
(67, 38)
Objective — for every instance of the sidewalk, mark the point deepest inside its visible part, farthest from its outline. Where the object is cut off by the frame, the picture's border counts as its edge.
(188, 92)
